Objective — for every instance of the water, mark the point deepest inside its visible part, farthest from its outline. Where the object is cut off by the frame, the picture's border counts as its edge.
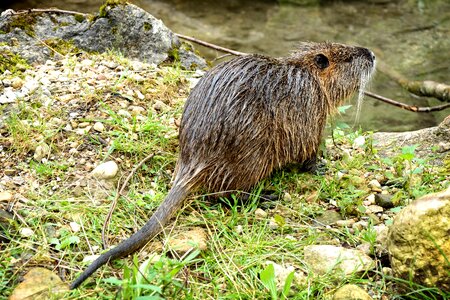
(411, 37)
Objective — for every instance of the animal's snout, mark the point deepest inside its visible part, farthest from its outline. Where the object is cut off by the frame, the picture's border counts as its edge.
(367, 53)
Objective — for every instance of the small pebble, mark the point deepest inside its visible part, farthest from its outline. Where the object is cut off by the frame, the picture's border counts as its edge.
(6, 196)
(75, 226)
(105, 170)
(159, 106)
(375, 186)
(259, 213)
(26, 232)
(41, 152)
(360, 225)
(124, 113)
(375, 209)
(17, 83)
(98, 126)
(384, 200)
(345, 223)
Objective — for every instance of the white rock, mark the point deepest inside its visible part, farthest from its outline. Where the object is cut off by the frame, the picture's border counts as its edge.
(259, 213)
(5, 100)
(30, 85)
(98, 126)
(359, 142)
(10, 94)
(26, 232)
(105, 170)
(75, 226)
(124, 113)
(42, 151)
(375, 185)
(374, 209)
(322, 259)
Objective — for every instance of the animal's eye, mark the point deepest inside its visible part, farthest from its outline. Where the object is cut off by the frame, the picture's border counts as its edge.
(321, 61)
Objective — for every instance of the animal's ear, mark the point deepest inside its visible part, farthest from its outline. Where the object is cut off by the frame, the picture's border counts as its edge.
(321, 61)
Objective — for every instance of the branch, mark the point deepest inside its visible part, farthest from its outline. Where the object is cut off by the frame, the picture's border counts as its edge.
(47, 10)
(405, 106)
(425, 88)
(209, 45)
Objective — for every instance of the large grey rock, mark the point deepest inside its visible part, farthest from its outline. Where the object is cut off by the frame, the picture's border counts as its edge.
(127, 28)
(419, 242)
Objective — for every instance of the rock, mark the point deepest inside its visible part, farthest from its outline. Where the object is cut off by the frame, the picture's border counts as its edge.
(39, 284)
(160, 106)
(98, 126)
(105, 170)
(384, 201)
(345, 223)
(259, 213)
(17, 83)
(427, 139)
(124, 27)
(328, 217)
(8, 96)
(360, 225)
(418, 241)
(381, 240)
(124, 113)
(322, 259)
(359, 142)
(42, 151)
(374, 185)
(185, 241)
(351, 292)
(26, 232)
(374, 209)
(370, 199)
(74, 226)
(6, 197)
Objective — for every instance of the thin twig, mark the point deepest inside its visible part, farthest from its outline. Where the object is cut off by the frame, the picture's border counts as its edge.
(48, 10)
(119, 193)
(406, 106)
(209, 45)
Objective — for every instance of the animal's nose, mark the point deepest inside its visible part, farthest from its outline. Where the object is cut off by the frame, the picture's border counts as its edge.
(367, 53)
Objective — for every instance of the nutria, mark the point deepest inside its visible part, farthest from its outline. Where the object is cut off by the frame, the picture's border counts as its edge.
(249, 116)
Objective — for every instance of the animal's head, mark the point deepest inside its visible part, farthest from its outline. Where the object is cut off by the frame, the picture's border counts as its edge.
(341, 70)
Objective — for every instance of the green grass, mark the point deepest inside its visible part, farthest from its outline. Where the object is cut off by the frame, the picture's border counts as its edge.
(58, 192)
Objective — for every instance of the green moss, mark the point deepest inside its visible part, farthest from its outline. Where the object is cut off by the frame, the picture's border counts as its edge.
(22, 21)
(103, 11)
(147, 26)
(79, 18)
(12, 62)
(174, 55)
(62, 46)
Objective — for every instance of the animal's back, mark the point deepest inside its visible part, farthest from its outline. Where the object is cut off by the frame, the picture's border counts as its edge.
(247, 117)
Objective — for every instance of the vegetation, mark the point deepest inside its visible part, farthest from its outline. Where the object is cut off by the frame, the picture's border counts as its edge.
(57, 192)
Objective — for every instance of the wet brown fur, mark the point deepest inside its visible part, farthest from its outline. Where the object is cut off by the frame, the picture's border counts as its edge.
(249, 116)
